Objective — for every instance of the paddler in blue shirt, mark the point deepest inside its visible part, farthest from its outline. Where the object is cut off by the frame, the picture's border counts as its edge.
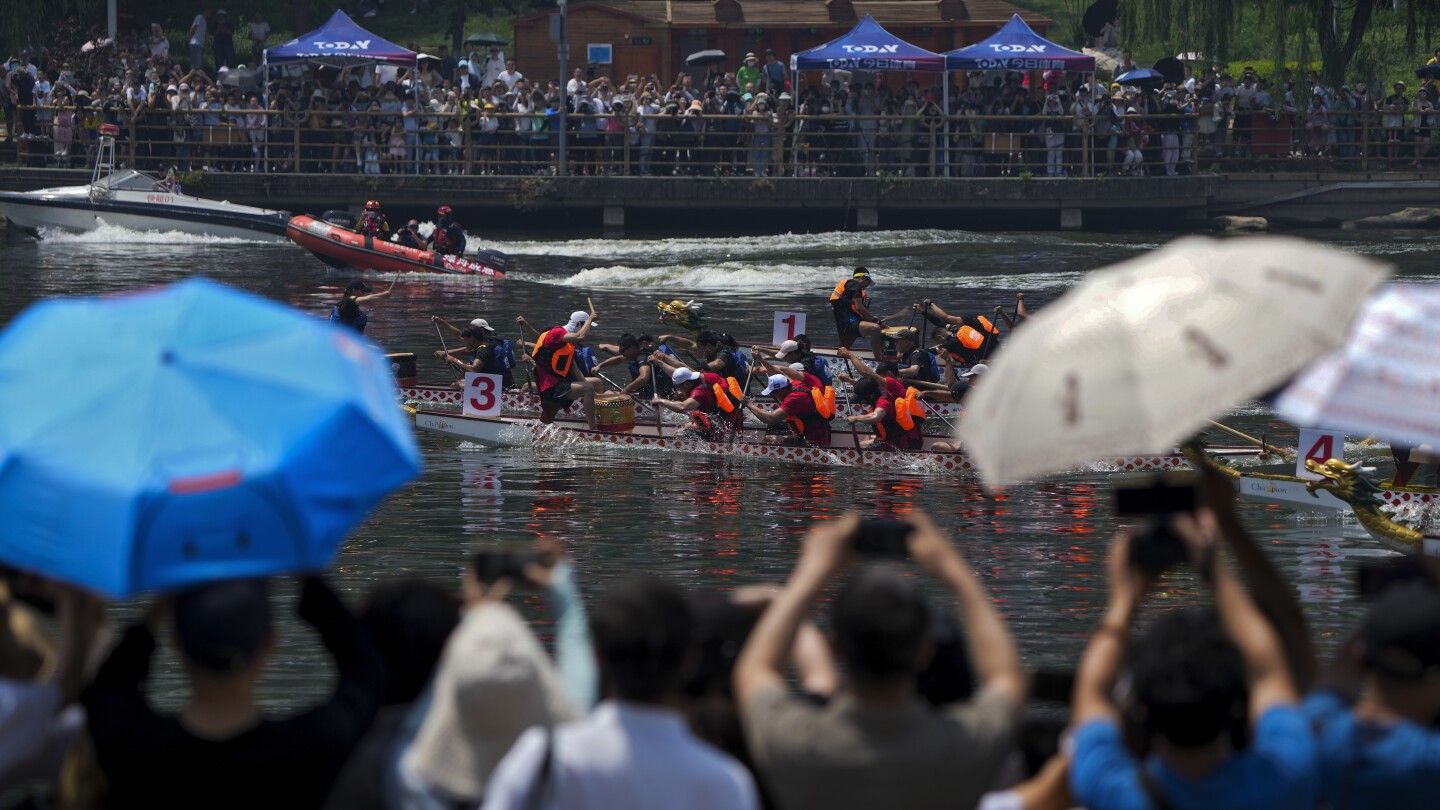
(635, 354)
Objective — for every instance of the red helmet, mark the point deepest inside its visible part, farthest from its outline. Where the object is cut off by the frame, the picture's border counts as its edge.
(444, 211)
(372, 205)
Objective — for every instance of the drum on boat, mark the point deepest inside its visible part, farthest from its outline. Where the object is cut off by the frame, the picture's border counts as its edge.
(402, 365)
(614, 413)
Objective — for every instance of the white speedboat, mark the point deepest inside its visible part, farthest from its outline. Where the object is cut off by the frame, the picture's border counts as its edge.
(135, 200)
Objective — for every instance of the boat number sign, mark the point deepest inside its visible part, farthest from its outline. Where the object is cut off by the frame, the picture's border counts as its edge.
(1319, 446)
(482, 394)
(159, 198)
(787, 326)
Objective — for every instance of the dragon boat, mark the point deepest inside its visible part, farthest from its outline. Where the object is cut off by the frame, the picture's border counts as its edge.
(1344, 481)
(843, 450)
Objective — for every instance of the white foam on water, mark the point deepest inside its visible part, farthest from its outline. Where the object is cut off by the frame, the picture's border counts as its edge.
(116, 236)
(786, 277)
(744, 246)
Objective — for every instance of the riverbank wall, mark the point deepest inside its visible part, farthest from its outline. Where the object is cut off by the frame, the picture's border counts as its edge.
(767, 205)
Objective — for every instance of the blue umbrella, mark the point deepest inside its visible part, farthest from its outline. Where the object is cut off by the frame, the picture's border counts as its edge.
(1141, 76)
(188, 433)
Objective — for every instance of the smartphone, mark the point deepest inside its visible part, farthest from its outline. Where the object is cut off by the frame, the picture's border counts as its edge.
(492, 566)
(1156, 497)
(884, 538)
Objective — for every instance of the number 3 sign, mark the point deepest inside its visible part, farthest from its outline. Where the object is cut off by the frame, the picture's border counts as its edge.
(787, 326)
(482, 394)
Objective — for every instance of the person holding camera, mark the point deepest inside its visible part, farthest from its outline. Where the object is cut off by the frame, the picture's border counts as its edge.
(1201, 681)
(495, 680)
(878, 743)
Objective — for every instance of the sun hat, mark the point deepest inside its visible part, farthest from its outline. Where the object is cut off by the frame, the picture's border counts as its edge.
(683, 375)
(776, 382)
(976, 370)
(493, 681)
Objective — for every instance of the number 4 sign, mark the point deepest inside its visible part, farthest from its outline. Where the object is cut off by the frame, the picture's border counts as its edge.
(1319, 446)
(482, 394)
(787, 326)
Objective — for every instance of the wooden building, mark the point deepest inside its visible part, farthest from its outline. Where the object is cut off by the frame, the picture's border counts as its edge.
(654, 36)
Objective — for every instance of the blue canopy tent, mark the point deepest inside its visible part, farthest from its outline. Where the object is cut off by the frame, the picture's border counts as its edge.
(868, 46)
(340, 42)
(1016, 46)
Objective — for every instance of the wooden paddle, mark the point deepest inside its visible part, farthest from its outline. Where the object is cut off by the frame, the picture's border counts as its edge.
(529, 383)
(1262, 444)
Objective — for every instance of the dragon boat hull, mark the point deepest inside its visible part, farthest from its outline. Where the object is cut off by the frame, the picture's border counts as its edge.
(517, 432)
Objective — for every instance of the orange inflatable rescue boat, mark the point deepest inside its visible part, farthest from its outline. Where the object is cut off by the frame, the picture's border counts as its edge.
(343, 248)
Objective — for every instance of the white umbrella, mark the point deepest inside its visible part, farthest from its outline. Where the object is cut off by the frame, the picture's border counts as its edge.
(1387, 378)
(1139, 355)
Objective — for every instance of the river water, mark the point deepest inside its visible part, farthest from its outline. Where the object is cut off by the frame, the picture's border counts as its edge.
(704, 522)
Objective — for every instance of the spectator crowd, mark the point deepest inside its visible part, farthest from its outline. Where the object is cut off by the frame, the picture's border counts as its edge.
(481, 114)
(657, 698)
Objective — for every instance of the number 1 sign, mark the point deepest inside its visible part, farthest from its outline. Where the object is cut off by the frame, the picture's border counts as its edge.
(482, 394)
(787, 326)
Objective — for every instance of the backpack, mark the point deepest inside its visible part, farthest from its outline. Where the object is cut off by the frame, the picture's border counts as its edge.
(929, 369)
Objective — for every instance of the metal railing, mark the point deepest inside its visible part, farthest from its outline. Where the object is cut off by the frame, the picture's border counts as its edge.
(473, 143)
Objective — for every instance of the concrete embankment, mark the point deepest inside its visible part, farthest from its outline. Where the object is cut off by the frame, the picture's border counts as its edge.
(778, 204)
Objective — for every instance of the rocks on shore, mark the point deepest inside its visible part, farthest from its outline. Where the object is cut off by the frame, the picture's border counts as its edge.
(1240, 224)
(1406, 218)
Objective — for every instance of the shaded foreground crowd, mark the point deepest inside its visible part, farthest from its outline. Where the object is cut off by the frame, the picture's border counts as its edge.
(736, 700)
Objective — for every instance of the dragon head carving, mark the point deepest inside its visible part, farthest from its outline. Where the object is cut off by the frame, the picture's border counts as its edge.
(1341, 480)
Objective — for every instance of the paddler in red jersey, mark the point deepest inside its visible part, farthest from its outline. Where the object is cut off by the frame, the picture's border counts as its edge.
(890, 417)
(557, 376)
(893, 387)
(806, 405)
(708, 401)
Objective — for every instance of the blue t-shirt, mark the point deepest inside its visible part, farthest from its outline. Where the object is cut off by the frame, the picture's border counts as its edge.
(1369, 764)
(1277, 771)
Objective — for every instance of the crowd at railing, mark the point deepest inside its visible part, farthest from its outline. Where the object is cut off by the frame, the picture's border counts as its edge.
(482, 142)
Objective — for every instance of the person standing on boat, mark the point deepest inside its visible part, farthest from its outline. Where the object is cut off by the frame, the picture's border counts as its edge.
(850, 304)
(488, 353)
(559, 379)
(713, 414)
(372, 222)
(448, 237)
(348, 313)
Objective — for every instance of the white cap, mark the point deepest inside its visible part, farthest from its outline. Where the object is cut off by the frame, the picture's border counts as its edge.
(775, 382)
(976, 370)
(481, 323)
(798, 367)
(684, 375)
(786, 349)
(577, 320)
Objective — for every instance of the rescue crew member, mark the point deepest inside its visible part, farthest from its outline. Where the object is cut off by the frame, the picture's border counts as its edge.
(714, 416)
(488, 353)
(850, 303)
(721, 352)
(890, 418)
(798, 413)
(558, 377)
(409, 236)
(348, 313)
(448, 237)
(635, 354)
(372, 222)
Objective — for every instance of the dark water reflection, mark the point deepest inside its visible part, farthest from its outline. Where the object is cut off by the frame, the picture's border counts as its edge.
(713, 523)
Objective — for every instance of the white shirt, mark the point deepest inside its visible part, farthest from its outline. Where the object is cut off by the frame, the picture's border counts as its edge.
(574, 86)
(34, 734)
(622, 755)
(490, 69)
(198, 38)
(510, 78)
(259, 32)
(160, 47)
